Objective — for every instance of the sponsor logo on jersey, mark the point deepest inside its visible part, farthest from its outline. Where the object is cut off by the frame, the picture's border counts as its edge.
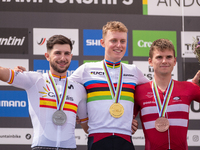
(96, 73)
(149, 94)
(128, 75)
(176, 98)
(48, 93)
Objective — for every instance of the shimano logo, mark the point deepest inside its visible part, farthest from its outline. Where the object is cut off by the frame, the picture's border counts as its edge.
(93, 42)
(96, 73)
(5, 103)
(12, 41)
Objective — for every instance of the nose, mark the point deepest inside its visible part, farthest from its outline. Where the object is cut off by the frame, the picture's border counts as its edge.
(62, 57)
(164, 60)
(118, 44)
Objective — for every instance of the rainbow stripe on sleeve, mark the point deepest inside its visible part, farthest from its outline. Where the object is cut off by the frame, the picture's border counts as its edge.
(99, 90)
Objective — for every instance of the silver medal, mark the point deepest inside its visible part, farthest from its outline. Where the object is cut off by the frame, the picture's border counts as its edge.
(59, 118)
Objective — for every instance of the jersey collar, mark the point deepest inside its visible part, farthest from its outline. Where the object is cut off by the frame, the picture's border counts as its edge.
(112, 65)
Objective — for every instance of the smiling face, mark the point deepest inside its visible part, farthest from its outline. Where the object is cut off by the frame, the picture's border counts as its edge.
(59, 58)
(114, 43)
(163, 62)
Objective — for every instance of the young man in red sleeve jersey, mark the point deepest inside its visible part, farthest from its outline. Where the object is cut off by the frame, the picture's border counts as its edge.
(164, 103)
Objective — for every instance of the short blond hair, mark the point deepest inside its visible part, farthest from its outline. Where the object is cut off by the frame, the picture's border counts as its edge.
(114, 26)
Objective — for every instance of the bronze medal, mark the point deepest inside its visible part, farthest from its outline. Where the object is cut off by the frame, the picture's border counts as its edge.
(162, 124)
(116, 110)
(59, 118)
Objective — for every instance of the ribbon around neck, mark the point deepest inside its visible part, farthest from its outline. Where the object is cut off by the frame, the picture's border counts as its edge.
(162, 108)
(114, 93)
(59, 101)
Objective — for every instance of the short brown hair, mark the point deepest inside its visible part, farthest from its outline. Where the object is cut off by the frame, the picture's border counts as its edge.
(114, 26)
(161, 45)
(58, 39)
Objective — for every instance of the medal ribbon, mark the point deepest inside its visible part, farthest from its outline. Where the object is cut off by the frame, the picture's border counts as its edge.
(60, 101)
(114, 93)
(162, 108)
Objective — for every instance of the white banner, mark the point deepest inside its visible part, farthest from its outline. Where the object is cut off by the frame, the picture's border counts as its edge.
(187, 39)
(41, 35)
(174, 7)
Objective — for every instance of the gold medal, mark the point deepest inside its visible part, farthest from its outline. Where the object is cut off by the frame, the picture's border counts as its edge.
(162, 124)
(116, 110)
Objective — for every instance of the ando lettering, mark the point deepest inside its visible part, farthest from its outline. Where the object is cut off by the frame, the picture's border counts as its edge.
(12, 103)
(186, 3)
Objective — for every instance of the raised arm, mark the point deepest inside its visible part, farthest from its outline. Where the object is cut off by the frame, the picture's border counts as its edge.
(4, 74)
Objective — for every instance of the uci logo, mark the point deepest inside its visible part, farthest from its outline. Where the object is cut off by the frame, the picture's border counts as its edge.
(96, 73)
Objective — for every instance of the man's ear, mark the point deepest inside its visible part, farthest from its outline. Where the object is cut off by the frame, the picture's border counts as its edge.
(175, 61)
(47, 56)
(102, 43)
(150, 62)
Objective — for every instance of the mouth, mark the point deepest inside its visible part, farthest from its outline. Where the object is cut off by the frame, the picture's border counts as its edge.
(62, 63)
(164, 66)
(117, 50)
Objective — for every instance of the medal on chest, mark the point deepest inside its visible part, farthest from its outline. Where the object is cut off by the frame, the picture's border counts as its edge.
(116, 109)
(162, 123)
(59, 117)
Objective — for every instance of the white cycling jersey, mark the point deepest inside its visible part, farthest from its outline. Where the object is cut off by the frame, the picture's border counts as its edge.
(99, 98)
(42, 105)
